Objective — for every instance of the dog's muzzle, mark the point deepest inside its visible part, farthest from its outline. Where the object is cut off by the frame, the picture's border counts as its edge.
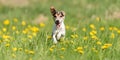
(57, 22)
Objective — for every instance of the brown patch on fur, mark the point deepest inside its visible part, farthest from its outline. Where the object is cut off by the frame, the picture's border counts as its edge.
(53, 11)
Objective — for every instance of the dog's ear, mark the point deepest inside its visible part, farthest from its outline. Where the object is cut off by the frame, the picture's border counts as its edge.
(63, 13)
(53, 11)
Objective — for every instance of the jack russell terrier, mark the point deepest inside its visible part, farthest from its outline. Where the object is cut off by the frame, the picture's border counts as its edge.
(59, 27)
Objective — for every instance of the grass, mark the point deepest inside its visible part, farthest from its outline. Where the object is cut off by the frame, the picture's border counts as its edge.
(90, 35)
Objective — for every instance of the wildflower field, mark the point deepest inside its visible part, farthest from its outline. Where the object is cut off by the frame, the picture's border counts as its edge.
(92, 31)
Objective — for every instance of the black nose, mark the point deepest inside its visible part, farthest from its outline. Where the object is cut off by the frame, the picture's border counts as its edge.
(57, 22)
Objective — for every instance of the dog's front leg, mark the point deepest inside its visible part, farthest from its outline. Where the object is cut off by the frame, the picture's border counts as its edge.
(54, 39)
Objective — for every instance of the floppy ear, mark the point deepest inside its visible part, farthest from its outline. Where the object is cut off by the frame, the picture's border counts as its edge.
(63, 13)
(53, 11)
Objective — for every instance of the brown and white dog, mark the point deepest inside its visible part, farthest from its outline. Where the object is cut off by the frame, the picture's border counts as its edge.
(59, 27)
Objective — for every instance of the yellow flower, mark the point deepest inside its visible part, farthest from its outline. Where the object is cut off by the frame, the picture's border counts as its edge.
(93, 32)
(34, 34)
(63, 49)
(98, 18)
(99, 43)
(61, 56)
(15, 20)
(14, 49)
(6, 22)
(4, 29)
(42, 25)
(29, 36)
(81, 51)
(105, 46)
(27, 51)
(31, 52)
(7, 45)
(34, 29)
(102, 28)
(92, 26)
(17, 32)
(51, 49)
(115, 28)
(13, 55)
(23, 23)
(67, 27)
(84, 29)
(110, 28)
(13, 27)
(5, 36)
(85, 38)
(74, 36)
(94, 37)
(112, 35)
(49, 37)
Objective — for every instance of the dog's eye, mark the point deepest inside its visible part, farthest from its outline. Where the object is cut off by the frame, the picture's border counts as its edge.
(60, 16)
(54, 16)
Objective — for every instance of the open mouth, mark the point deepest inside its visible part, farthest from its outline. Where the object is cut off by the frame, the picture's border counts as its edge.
(57, 24)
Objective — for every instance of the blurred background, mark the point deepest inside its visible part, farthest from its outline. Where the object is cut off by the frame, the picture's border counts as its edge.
(76, 10)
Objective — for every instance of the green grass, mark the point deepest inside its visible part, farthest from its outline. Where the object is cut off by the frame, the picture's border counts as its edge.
(31, 42)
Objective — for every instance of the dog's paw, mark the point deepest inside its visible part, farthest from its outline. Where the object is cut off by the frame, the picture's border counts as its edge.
(55, 42)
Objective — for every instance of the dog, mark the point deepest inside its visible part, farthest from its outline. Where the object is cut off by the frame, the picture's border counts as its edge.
(59, 27)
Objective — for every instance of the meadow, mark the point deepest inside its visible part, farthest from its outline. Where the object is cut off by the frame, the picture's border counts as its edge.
(92, 30)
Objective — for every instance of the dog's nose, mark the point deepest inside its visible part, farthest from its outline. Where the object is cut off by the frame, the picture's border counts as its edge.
(57, 22)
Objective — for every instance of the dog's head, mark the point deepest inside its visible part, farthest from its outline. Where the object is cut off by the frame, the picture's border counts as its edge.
(58, 16)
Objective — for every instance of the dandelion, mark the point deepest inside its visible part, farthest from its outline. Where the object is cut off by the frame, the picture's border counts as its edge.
(74, 36)
(29, 36)
(17, 32)
(14, 49)
(42, 25)
(67, 27)
(34, 29)
(80, 50)
(98, 18)
(85, 38)
(84, 29)
(5, 36)
(15, 20)
(7, 45)
(92, 26)
(6, 22)
(102, 28)
(31, 52)
(13, 27)
(110, 28)
(94, 37)
(112, 35)
(63, 49)
(51, 49)
(115, 28)
(27, 51)
(49, 37)
(94, 49)
(61, 56)
(13, 55)
(105, 46)
(99, 43)
(23, 23)
(4, 29)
